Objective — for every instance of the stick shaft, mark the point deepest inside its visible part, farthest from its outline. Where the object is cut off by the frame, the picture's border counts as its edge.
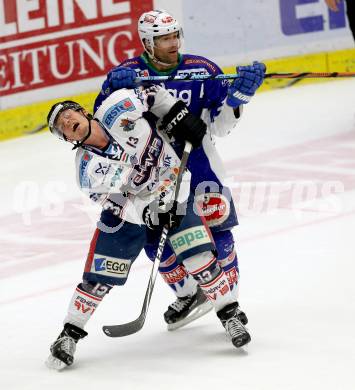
(137, 324)
(294, 75)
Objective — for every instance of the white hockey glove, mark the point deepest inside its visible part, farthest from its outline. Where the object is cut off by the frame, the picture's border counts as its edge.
(176, 119)
(160, 100)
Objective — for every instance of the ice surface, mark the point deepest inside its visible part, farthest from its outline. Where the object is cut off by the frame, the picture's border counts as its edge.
(291, 164)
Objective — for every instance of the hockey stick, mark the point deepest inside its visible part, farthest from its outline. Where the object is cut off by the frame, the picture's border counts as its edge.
(296, 76)
(37, 129)
(189, 77)
(137, 324)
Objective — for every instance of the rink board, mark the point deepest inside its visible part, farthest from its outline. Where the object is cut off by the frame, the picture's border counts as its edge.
(25, 120)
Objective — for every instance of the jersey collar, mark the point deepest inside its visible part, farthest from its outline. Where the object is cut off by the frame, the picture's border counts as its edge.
(151, 66)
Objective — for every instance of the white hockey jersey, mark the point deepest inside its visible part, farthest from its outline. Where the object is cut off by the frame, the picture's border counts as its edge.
(138, 167)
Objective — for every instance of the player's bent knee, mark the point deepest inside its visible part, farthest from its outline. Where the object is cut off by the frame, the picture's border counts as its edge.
(203, 267)
(211, 279)
(96, 289)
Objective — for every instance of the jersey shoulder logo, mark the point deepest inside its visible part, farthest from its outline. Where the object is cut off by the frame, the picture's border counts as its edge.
(130, 62)
(142, 72)
(200, 61)
(83, 178)
(116, 110)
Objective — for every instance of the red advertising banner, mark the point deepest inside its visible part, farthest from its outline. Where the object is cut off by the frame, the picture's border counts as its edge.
(49, 42)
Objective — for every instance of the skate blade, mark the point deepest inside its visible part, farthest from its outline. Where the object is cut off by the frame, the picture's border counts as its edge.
(194, 315)
(243, 347)
(55, 364)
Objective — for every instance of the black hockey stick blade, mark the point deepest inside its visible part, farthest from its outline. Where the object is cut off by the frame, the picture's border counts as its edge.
(125, 329)
(37, 129)
(137, 324)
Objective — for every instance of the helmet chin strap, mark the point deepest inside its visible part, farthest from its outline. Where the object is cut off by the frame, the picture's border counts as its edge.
(79, 143)
(155, 59)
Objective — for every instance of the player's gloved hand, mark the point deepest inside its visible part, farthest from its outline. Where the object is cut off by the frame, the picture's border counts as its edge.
(155, 219)
(122, 78)
(184, 126)
(159, 100)
(243, 88)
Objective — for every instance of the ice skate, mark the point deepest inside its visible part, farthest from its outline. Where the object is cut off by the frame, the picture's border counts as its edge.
(187, 309)
(63, 349)
(233, 325)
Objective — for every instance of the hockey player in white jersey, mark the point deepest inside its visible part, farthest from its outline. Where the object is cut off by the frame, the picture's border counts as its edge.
(128, 167)
(219, 105)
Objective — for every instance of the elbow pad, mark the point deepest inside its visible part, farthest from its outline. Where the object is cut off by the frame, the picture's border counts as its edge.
(225, 122)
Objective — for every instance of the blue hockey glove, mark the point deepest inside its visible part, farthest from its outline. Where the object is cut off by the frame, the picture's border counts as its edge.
(244, 87)
(122, 78)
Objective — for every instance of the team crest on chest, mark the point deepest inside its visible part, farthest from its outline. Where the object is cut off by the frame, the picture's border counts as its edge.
(115, 111)
(127, 125)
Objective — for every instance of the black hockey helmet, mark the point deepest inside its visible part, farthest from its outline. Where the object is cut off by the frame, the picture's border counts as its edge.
(54, 112)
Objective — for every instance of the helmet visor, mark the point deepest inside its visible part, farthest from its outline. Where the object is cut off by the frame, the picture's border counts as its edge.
(52, 121)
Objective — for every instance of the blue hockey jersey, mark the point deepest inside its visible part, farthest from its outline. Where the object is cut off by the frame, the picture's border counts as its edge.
(205, 99)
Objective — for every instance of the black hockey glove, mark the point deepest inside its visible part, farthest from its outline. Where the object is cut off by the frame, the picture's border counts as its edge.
(155, 219)
(184, 126)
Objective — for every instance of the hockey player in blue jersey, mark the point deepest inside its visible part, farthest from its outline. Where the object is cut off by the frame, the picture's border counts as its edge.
(220, 105)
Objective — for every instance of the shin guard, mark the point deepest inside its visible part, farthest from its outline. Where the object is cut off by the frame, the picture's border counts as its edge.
(211, 278)
(84, 302)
